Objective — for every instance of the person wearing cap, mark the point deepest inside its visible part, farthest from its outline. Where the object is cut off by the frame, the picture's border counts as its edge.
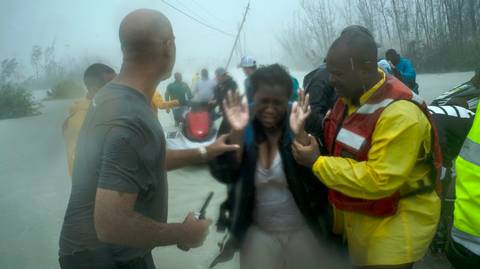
(225, 83)
(248, 65)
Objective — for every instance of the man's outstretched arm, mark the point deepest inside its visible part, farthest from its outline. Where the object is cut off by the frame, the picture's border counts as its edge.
(117, 222)
(176, 159)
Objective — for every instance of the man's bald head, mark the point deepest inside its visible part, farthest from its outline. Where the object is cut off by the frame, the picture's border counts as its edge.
(352, 61)
(146, 37)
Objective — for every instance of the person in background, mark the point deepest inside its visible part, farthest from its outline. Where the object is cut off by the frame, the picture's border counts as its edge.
(94, 78)
(273, 221)
(159, 103)
(322, 97)
(384, 156)
(225, 83)
(195, 79)
(179, 91)
(248, 65)
(117, 211)
(402, 69)
(463, 249)
(453, 124)
(204, 89)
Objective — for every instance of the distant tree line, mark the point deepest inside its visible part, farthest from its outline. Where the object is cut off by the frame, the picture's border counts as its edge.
(437, 35)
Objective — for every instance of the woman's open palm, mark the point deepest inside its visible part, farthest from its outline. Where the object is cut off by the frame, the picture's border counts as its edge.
(235, 110)
(300, 112)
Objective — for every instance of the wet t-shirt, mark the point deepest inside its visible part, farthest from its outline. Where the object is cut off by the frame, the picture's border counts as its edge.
(121, 147)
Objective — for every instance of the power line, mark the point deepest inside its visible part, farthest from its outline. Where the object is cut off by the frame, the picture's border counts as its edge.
(238, 35)
(197, 20)
(191, 11)
(206, 10)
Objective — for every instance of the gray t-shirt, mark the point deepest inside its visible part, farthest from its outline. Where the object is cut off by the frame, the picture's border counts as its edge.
(121, 147)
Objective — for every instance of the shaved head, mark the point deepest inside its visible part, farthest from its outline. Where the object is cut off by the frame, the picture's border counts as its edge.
(352, 62)
(142, 31)
(147, 41)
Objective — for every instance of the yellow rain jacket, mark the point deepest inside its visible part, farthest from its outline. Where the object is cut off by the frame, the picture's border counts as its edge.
(400, 144)
(71, 128)
(159, 103)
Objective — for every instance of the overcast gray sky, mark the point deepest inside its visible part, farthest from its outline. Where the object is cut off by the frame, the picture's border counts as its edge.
(89, 28)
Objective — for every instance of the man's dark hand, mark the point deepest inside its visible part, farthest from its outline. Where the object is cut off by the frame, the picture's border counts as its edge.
(220, 146)
(194, 232)
(306, 155)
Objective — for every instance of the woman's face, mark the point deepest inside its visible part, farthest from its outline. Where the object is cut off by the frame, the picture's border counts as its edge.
(271, 105)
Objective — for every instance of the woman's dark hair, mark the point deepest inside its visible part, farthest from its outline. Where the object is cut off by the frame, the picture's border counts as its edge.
(273, 74)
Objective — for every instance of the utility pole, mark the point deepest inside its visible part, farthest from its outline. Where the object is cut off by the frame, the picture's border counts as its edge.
(238, 35)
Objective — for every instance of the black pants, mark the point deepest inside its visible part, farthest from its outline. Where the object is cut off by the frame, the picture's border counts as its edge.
(460, 257)
(101, 259)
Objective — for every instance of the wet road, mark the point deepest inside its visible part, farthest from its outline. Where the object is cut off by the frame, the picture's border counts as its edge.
(36, 185)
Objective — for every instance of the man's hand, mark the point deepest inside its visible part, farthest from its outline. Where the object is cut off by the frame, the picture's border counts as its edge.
(306, 155)
(194, 232)
(220, 146)
(236, 111)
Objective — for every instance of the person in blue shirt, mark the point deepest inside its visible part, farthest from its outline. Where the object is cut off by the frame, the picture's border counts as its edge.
(402, 68)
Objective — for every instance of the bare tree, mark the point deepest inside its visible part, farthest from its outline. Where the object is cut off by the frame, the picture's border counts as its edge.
(35, 59)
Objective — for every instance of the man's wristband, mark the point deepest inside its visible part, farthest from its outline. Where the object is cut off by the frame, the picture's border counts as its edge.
(203, 153)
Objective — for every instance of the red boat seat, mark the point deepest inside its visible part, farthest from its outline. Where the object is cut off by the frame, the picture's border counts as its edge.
(197, 124)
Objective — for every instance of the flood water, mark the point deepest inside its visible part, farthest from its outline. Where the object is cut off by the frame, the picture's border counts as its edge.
(36, 186)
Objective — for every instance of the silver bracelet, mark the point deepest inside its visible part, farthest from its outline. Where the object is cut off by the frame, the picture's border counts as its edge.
(203, 153)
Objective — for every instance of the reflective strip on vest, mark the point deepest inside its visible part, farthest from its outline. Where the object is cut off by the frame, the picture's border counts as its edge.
(350, 139)
(371, 108)
(467, 240)
(471, 151)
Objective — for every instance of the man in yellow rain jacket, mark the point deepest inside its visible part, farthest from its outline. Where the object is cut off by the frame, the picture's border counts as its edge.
(95, 77)
(383, 158)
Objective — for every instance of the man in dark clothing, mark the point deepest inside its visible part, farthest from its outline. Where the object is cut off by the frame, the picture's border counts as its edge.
(225, 83)
(178, 90)
(453, 124)
(117, 212)
(322, 98)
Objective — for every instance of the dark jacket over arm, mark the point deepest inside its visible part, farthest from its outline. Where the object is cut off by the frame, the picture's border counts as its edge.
(309, 193)
(322, 98)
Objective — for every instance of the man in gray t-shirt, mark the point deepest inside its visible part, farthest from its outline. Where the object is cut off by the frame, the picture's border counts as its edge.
(117, 210)
(121, 148)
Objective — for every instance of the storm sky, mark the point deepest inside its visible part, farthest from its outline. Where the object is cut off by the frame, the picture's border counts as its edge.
(90, 28)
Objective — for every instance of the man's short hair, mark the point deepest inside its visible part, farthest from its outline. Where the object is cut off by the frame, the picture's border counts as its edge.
(357, 29)
(94, 76)
(391, 52)
(361, 45)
